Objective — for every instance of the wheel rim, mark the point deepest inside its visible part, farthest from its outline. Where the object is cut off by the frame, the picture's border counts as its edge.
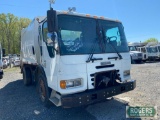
(42, 91)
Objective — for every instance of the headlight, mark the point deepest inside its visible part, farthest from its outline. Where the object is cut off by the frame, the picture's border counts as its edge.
(126, 73)
(70, 83)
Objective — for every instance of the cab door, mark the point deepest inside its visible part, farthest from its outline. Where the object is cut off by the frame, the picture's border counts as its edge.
(48, 55)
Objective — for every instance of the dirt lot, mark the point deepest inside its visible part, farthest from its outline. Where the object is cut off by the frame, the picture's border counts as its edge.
(18, 102)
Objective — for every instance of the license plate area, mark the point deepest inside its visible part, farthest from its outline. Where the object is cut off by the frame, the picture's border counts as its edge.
(105, 79)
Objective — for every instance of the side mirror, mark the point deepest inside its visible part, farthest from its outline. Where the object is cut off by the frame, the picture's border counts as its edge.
(3, 52)
(51, 20)
(51, 38)
(54, 36)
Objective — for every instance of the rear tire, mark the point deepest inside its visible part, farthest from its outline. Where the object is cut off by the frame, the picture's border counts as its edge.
(44, 91)
(27, 76)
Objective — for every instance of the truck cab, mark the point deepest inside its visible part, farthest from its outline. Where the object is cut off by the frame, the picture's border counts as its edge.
(136, 56)
(144, 52)
(158, 50)
(152, 52)
(76, 59)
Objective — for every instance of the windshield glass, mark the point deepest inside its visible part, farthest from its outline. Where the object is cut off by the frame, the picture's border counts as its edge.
(143, 50)
(77, 35)
(132, 48)
(153, 49)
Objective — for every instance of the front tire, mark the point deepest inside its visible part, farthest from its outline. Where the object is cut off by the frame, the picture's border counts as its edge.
(44, 91)
(27, 76)
(1, 76)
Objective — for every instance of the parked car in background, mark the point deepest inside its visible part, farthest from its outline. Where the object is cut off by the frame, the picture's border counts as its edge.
(5, 64)
(7, 59)
(16, 62)
(14, 55)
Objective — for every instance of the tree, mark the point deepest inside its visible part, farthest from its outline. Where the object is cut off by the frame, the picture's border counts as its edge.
(154, 40)
(10, 32)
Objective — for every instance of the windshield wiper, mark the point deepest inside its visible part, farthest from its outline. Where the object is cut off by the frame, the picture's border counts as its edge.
(90, 58)
(108, 39)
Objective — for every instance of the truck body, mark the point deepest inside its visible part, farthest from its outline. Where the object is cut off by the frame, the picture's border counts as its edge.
(84, 60)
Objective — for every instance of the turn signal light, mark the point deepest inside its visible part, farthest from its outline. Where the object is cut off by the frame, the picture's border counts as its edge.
(63, 84)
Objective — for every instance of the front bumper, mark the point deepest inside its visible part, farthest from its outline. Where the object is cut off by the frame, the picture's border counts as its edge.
(152, 57)
(95, 96)
(136, 58)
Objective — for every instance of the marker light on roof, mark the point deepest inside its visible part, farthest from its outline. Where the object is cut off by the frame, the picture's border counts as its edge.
(102, 17)
(52, 1)
(95, 16)
(87, 15)
(65, 12)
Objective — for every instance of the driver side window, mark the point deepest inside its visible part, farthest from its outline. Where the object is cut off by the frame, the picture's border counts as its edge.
(47, 39)
(114, 32)
(72, 40)
(45, 31)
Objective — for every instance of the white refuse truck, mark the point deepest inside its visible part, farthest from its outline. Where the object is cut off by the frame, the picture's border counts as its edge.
(135, 55)
(75, 59)
(152, 51)
(144, 52)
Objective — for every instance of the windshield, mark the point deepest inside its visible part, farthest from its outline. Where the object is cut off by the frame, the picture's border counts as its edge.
(153, 49)
(143, 50)
(77, 35)
(132, 48)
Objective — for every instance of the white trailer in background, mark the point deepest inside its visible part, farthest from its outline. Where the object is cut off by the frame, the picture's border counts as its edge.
(75, 59)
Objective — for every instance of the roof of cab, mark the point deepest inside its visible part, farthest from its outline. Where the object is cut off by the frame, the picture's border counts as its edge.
(86, 15)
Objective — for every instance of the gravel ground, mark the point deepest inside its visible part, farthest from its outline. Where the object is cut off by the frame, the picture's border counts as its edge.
(18, 102)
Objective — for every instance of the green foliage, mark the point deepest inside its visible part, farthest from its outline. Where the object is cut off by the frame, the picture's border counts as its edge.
(10, 32)
(151, 40)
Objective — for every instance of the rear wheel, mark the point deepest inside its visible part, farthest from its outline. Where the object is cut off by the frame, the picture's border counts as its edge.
(27, 76)
(43, 90)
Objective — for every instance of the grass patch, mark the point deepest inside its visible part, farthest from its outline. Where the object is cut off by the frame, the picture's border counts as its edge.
(11, 69)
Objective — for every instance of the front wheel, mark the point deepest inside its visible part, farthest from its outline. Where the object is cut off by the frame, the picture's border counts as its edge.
(27, 76)
(44, 91)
